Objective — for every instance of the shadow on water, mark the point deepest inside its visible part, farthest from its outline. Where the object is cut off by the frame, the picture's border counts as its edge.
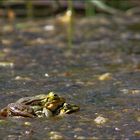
(41, 63)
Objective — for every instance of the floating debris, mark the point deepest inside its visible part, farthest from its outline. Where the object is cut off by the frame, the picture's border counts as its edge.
(20, 78)
(56, 135)
(130, 91)
(79, 137)
(66, 18)
(7, 64)
(105, 76)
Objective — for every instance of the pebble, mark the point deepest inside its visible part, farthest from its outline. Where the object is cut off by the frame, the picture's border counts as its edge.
(100, 120)
(27, 123)
(117, 129)
(46, 75)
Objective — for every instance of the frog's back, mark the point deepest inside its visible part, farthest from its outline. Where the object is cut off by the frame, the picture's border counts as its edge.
(29, 100)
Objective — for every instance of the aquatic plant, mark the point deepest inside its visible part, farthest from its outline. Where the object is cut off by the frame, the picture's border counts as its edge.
(70, 26)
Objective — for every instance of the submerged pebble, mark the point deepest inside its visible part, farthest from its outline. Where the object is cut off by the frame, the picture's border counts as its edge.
(130, 91)
(54, 135)
(80, 137)
(27, 123)
(100, 120)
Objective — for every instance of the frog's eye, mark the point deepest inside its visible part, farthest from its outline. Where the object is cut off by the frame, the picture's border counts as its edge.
(55, 95)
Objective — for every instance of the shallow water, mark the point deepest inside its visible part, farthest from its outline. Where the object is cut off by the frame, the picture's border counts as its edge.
(42, 62)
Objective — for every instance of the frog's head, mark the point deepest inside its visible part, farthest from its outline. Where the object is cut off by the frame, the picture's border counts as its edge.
(68, 108)
(52, 96)
(53, 101)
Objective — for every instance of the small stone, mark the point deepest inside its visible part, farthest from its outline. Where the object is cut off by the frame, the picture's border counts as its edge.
(105, 76)
(28, 132)
(100, 120)
(27, 123)
(117, 129)
(46, 75)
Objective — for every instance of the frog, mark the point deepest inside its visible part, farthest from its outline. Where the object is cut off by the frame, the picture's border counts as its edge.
(67, 109)
(50, 101)
(42, 105)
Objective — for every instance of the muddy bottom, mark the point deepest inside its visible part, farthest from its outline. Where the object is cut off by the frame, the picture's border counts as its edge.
(100, 73)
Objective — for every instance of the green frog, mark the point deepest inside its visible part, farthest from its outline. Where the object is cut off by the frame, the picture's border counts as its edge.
(50, 101)
(67, 109)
